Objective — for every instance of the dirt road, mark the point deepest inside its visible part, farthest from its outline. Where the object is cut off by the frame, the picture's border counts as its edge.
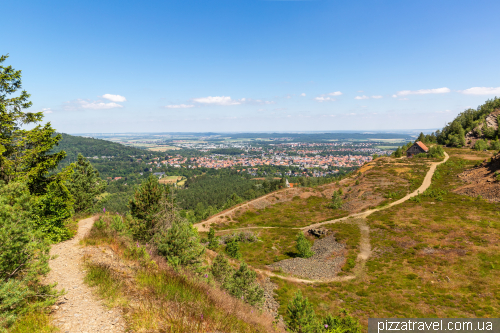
(78, 310)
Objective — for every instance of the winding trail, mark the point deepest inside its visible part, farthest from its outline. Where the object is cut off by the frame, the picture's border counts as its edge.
(365, 246)
(78, 310)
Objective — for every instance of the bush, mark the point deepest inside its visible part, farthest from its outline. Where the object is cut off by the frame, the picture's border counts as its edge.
(494, 145)
(480, 145)
(180, 244)
(337, 199)
(301, 316)
(24, 254)
(243, 285)
(233, 249)
(240, 283)
(303, 246)
(213, 242)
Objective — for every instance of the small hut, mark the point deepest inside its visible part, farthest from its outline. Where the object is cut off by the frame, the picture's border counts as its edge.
(417, 148)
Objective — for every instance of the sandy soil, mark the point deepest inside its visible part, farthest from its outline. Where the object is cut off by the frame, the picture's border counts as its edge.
(78, 310)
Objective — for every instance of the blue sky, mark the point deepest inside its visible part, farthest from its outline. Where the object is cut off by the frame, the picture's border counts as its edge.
(245, 65)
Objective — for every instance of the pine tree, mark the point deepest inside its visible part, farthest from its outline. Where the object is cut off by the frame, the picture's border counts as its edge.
(24, 154)
(145, 206)
(213, 242)
(180, 244)
(85, 185)
(337, 199)
(233, 249)
(222, 270)
(243, 286)
(301, 316)
(303, 246)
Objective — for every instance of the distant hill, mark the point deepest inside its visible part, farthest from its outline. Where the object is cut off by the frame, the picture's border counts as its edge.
(74, 145)
(473, 125)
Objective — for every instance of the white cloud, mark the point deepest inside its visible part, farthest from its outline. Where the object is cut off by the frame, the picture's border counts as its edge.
(46, 110)
(303, 94)
(443, 90)
(481, 91)
(335, 93)
(226, 100)
(218, 100)
(324, 99)
(114, 98)
(92, 105)
(403, 99)
(377, 96)
(179, 106)
(362, 97)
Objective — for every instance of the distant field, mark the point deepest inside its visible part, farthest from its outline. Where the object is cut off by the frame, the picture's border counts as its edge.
(170, 179)
(164, 148)
(389, 140)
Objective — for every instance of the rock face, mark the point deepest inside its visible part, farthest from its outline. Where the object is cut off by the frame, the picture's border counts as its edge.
(491, 120)
(482, 181)
(325, 264)
(318, 232)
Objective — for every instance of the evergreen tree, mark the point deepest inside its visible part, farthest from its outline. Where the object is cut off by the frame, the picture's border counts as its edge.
(337, 199)
(421, 137)
(213, 242)
(180, 244)
(243, 286)
(222, 270)
(24, 154)
(85, 185)
(145, 206)
(301, 316)
(303, 246)
(233, 249)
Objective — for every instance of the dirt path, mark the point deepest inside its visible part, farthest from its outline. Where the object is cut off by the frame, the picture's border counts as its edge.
(365, 246)
(78, 310)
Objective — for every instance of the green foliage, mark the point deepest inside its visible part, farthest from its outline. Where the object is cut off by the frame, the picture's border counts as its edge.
(24, 253)
(243, 286)
(85, 185)
(303, 246)
(453, 134)
(240, 283)
(300, 315)
(337, 201)
(481, 145)
(180, 243)
(494, 144)
(436, 151)
(343, 323)
(222, 270)
(233, 248)
(213, 242)
(145, 207)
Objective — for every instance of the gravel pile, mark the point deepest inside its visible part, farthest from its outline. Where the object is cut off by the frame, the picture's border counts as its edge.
(270, 304)
(324, 264)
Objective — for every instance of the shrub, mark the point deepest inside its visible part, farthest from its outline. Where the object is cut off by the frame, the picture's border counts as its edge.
(480, 145)
(337, 199)
(24, 254)
(180, 244)
(118, 224)
(222, 270)
(243, 285)
(233, 249)
(240, 283)
(436, 151)
(344, 323)
(213, 242)
(494, 144)
(145, 207)
(301, 316)
(303, 246)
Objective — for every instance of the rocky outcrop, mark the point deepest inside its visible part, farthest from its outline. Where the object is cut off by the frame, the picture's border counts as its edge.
(482, 180)
(491, 121)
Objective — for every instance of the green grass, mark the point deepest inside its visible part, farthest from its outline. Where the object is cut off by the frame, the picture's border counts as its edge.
(36, 321)
(295, 213)
(108, 283)
(430, 259)
(273, 245)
